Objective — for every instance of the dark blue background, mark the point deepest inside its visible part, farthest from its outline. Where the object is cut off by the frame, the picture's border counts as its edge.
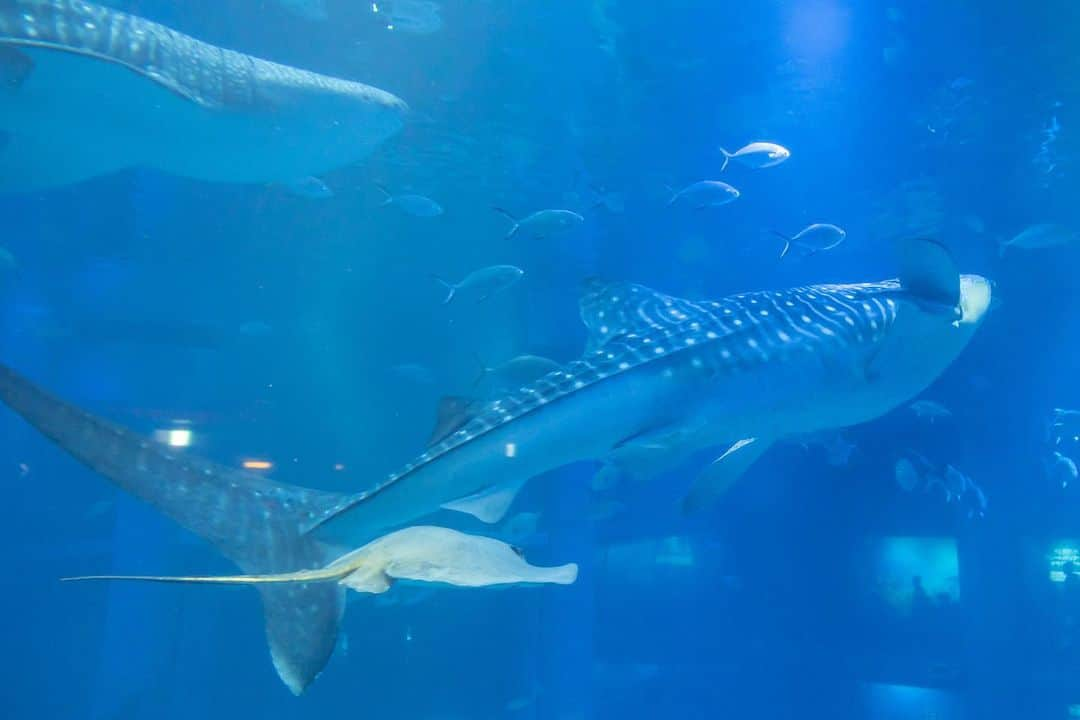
(122, 281)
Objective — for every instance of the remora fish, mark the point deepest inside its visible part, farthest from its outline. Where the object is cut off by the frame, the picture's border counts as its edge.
(87, 90)
(660, 372)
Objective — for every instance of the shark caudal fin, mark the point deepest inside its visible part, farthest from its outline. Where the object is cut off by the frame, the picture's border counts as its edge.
(252, 520)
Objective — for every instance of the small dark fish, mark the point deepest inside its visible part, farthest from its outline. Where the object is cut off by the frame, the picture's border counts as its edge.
(513, 374)
(756, 155)
(543, 223)
(410, 204)
(15, 66)
(482, 283)
(813, 239)
(704, 194)
(907, 477)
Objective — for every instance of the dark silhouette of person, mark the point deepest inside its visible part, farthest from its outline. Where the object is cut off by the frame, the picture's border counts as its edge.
(920, 600)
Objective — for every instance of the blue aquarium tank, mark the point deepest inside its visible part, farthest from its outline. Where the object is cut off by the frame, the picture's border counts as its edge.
(539, 359)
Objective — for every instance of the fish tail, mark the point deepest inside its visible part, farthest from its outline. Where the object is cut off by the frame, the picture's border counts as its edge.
(332, 573)
(388, 197)
(252, 520)
(482, 369)
(727, 159)
(451, 289)
(787, 243)
(673, 195)
(512, 219)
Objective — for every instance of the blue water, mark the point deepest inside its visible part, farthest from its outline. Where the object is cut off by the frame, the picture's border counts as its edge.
(273, 325)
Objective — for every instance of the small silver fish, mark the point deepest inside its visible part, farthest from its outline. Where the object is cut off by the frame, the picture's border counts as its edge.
(482, 283)
(309, 188)
(813, 239)
(411, 204)
(756, 155)
(956, 483)
(609, 200)
(929, 410)
(1065, 424)
(704, 194)
(416, 17)
(542, 223)
(1038, 237)
(1062, 468)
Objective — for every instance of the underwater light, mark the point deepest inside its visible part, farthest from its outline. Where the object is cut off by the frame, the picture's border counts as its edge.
(180, 438)
(176, 437)
(511, 449)
(257, 464)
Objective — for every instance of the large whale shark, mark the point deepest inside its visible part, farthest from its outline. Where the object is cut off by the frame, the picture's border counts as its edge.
(660, 375)
(86, 90)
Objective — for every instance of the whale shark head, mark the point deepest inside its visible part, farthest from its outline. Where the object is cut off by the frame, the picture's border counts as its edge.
(934, 322)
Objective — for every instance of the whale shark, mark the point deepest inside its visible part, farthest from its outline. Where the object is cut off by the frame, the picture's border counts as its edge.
(662, 377)
(87, 90)
(665, 377)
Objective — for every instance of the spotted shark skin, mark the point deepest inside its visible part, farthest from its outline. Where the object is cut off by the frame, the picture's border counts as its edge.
(779, 362)
(148, 95)
(729, 336)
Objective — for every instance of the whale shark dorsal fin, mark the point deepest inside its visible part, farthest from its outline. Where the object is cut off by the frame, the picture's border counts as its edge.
(928, 271)
(452, 413)
(611, 310)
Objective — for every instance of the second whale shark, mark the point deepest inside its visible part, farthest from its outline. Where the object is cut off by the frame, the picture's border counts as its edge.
(661, 375)
(87, 90)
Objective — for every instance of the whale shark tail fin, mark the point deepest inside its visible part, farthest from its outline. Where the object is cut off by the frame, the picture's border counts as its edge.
(252, 520)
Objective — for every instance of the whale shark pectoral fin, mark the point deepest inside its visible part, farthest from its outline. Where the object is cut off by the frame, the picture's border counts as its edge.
(650, 453)
(928, 271)
(721, 474)
(15, 67)
(490, 505)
